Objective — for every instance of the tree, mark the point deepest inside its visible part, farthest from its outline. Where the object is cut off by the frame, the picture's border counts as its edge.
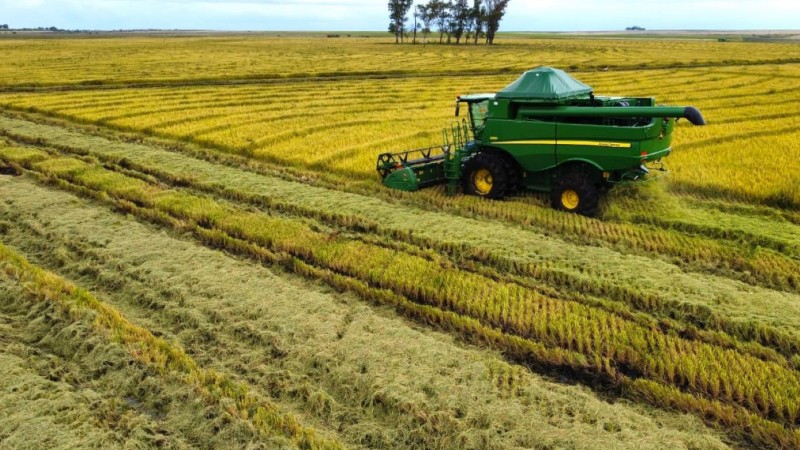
(416, 26)
(4, 27)
(495, 10)
(398, 11)
(460, 13)
(424, 14)
(478, 18)
(440, 15)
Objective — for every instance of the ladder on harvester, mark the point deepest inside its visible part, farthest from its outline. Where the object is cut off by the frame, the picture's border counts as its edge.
(457, 152)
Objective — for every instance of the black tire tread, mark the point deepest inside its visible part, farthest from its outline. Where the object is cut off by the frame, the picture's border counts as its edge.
(583, 181)
(496, 166)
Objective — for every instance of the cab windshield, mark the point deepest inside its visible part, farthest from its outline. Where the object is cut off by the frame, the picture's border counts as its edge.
(477, 113)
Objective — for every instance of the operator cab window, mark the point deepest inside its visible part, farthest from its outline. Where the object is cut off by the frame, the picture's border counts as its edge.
(478, 112)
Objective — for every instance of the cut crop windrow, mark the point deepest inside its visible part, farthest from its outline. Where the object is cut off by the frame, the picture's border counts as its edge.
(150, 350)
(600, 342)
(700, 321)
(763, 268)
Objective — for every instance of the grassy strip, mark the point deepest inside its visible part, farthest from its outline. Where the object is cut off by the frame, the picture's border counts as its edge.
(574, 336)
(695, 321)
(158, 353)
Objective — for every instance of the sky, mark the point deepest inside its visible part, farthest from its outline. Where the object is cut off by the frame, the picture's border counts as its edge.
(372, 15)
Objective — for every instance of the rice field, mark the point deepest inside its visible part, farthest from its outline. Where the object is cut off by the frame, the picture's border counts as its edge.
(218, 222)
(336, 128)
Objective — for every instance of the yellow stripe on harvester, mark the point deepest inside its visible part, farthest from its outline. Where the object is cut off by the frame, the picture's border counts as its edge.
(582, 143)
(551, 142)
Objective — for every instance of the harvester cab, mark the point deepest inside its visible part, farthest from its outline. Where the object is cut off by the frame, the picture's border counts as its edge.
(548, 132)
(478, 108)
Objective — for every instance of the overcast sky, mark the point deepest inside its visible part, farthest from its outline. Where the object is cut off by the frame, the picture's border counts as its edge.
(366, 15)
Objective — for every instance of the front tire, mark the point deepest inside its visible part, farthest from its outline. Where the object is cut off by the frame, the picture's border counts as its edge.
(576, 191)
(486, 175)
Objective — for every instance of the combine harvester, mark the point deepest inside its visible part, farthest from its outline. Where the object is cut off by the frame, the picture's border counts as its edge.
(544, 132)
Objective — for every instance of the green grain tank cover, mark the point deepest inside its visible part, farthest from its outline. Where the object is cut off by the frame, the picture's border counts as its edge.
(544, 84)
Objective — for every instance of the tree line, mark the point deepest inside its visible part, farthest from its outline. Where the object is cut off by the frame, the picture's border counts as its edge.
(456, 21)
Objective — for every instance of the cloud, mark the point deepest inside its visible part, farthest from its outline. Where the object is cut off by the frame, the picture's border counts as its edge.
(523, 15)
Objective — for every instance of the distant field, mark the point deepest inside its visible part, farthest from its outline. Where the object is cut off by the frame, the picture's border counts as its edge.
(343, 314)
(140, 59)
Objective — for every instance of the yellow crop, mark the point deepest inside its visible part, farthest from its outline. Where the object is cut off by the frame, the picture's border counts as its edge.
(268, 151)
(338, 127)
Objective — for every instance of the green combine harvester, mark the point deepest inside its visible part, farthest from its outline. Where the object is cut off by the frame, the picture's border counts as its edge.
(545, 132)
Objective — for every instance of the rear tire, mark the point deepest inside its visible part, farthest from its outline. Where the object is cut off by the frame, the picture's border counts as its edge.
(576, 190)
(514, 175)
(486, 175)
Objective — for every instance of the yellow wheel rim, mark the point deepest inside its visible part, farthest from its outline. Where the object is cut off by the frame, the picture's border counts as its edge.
(570, 199)
(482, 180)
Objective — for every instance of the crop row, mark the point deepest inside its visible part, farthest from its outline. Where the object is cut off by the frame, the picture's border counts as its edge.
(738, 88)
(156, 352)
(465, 255)
(762, 266)
(661, 83)
(569, 334)
(765, 267)
(328, 383)
(102, 105)
(775, 233)
(178, 170)
(142, 100)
